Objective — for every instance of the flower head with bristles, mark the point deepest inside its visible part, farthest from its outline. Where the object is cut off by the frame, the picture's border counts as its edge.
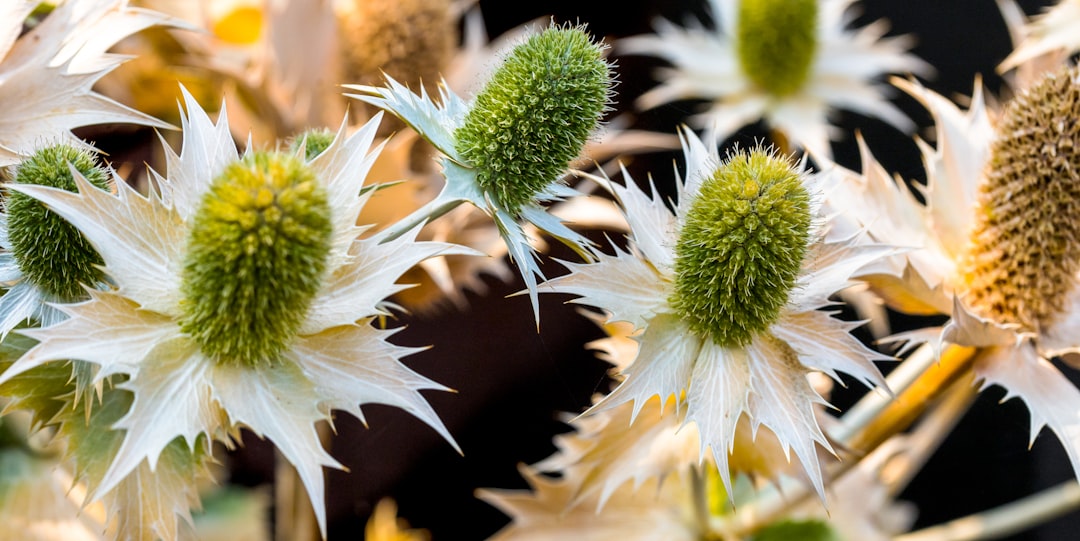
(998, 238)
(506, 151)
(244, 298)
(725, 293)
(45, 258)
(47, 75)
(788, 62)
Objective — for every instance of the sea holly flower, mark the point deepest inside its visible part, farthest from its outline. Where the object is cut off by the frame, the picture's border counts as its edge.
(785, 61)
(243, 299)
(998, 241)
(46, 259)
(725, 291)
(506, 151)
(47, 75)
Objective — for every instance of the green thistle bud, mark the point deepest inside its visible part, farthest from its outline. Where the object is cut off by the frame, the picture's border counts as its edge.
(255, 258)
(51, 253)
(315, 141)
(741, 247)
(1025, 247)
(776, 41)
(535, 115)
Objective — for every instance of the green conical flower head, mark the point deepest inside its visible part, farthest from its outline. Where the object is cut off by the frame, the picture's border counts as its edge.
(255, 258)
(50, 252)
(1025, 249)
(741, 247)
(315, 141)
(776, 41)
(535, 115)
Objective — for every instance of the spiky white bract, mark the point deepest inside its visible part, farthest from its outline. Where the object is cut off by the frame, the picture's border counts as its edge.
(1056, 31)
(842, 73)
(336, 360)
(928, 278)
(765, 379)
(47, 75)
(548, 512)
(502, 161)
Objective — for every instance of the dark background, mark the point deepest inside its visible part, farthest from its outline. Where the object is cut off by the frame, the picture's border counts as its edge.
(513, 383)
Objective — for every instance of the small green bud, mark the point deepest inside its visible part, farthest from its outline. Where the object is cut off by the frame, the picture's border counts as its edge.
(255, 258)
(741, 247)
(776, 41)
(315, 141)
(51, 253)
(535, 115)
(1024, 252)
(797, 530)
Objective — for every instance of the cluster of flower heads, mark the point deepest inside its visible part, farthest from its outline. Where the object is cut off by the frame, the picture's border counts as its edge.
(243, 290)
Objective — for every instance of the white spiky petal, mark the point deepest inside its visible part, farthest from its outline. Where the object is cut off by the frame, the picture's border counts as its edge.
(925, 279)
(46, 80)
(437, 122)
(47, 75)
(1057, 30)
(705, 66)
(657, 511)
(723, 383)
(337, 361)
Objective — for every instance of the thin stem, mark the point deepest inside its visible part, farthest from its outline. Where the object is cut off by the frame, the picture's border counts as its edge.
(1006, 520)
(873, 403)
(932, 430)
(443, 203)
(917, 383)
(294, 516)
(956, 361)
(701, 498)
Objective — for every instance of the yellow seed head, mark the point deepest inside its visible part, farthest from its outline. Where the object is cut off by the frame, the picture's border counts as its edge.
(1025, 247)
(410, 40)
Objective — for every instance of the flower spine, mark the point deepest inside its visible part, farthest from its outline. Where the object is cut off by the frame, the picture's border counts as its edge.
(741, 247)
(51, 253)
(1024, 252)
(534, 115)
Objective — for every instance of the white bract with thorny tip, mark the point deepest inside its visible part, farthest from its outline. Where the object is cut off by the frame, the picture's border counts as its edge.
(336, 360)
(47, 75)
(763, 376)
(790, 64)
(943, 275)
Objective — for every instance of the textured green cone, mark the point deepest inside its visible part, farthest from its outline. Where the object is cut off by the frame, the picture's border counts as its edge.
(741, 247)
(1025, 247)
(51, 253)
(776, 41)
(255, 258)
(315, 141)
(535, 115)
